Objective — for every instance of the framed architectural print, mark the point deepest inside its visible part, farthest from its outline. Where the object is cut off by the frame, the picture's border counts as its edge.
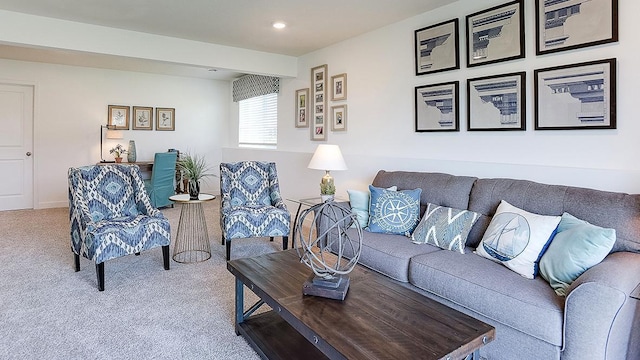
(436, 47)
(496, 34)
(319, 103)
(118, 117)
(142, 118)
(436, 107)
(496, 102)
(339, 87)
(302, 99)
(578, 96)
(165, 119)
(339, 118)
(566, 25)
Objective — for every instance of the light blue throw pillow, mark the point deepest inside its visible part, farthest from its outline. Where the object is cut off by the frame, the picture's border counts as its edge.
(577, 246)
(394, 212)
(445, 227)
(359, 202)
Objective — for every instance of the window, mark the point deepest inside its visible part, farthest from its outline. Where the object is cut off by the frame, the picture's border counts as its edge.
(259, 121)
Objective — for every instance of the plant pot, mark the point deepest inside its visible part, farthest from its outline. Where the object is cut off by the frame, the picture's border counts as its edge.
(326, 197)
(194, 189)
(118, 159)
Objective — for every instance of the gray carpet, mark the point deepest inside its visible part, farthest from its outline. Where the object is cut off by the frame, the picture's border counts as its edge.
(48, 311)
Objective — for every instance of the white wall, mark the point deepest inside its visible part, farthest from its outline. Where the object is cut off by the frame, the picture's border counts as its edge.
(380, 135)
(71, 104)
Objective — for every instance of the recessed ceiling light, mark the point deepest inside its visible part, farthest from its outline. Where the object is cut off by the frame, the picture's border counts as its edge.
(279, 25)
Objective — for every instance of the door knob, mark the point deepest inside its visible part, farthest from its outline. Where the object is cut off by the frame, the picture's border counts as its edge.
(28, 153)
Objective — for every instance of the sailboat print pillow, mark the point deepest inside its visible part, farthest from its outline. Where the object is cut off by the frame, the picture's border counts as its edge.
(517, 238)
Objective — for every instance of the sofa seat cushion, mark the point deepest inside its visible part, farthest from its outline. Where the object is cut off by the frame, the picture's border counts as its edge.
(387, 254)
(492, 290)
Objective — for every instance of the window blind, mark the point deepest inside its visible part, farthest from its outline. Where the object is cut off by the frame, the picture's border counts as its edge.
(258, 123)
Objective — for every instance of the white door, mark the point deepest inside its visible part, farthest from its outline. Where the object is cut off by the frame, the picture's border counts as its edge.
(16, 147)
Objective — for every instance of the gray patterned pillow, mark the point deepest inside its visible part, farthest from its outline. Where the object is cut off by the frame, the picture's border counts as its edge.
(445, 227)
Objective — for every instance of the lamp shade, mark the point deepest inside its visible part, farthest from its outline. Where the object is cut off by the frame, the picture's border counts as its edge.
(327, 157)
(114, 134)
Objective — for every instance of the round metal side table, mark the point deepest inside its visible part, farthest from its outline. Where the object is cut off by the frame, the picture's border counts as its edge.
(192, 239)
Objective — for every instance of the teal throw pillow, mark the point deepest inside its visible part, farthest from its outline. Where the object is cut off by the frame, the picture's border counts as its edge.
(445, 227)
(359, 201)
(394, 212)
(577, 246)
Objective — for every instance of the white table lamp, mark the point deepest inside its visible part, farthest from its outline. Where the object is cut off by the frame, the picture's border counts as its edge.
(327, 158)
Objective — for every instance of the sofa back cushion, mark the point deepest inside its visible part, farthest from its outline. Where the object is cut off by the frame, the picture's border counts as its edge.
(437, 188)
(617, 211)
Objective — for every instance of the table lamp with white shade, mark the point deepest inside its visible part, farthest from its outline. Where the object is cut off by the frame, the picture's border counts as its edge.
(112, 133)
(327, 158)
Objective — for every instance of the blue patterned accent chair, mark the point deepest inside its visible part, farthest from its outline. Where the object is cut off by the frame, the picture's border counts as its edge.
(111, 216)
(251, 205)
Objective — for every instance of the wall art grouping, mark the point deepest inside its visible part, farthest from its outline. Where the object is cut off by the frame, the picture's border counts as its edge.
(311, 104)
(118, 118)
(574, 96)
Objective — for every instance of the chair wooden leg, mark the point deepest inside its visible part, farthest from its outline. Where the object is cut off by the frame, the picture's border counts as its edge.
(228, 249)
(271, 238)
(223, 239)
(137, 254)
(76, 261)
(165, 256)
(100, 275)
(285, 242)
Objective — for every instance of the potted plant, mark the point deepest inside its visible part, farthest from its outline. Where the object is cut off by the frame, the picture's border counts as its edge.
(327, 190)
(117, 152)
(194, 168)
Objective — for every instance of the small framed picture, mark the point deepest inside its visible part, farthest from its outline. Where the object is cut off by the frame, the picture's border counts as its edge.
(339, 118)
(118, 117)
(577, 96)
(496, 102)
(318, 104)
(436, 107)
(302, 97)
(165, 119)
(436, 48)
(567, 25)
(496, 34)
(142, 118)
(339, 87)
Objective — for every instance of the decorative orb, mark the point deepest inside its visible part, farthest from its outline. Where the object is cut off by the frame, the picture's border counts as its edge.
(328, 234)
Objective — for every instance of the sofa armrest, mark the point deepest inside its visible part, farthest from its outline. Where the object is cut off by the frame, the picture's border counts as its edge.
(595, 309)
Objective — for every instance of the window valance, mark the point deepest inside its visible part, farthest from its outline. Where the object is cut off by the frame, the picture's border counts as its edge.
(250, 86)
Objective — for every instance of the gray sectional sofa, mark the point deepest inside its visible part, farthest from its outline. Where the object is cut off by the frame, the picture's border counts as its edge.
(598, 319)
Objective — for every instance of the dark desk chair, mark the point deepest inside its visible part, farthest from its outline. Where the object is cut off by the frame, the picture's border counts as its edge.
(161, 185)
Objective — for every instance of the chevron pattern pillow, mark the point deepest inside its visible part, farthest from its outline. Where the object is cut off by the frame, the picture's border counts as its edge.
(445, 227)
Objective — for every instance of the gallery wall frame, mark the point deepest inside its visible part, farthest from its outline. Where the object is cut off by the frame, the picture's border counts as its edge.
(319, 103)
(339, 87)
(118, 117)
(142, 118)
(437, 107)
(576, 96)
(436, 47)
(339, 118)
(497, 103)
(302, 101)
(562, 26)
(496, 34)
(165, 119)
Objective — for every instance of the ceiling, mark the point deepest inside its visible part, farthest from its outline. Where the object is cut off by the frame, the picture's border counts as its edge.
(311, 25)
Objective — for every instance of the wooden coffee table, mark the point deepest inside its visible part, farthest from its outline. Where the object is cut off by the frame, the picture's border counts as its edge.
(379, 319)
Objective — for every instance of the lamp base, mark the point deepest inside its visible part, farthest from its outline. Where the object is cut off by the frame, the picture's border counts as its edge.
(335, 288)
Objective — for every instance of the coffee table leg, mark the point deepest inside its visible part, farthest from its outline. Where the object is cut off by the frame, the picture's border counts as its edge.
(239, 304)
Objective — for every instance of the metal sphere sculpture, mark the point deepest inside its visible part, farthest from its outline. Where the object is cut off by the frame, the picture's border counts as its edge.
(328, 233)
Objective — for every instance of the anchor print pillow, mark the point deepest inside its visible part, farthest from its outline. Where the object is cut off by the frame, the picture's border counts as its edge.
(517, 238)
